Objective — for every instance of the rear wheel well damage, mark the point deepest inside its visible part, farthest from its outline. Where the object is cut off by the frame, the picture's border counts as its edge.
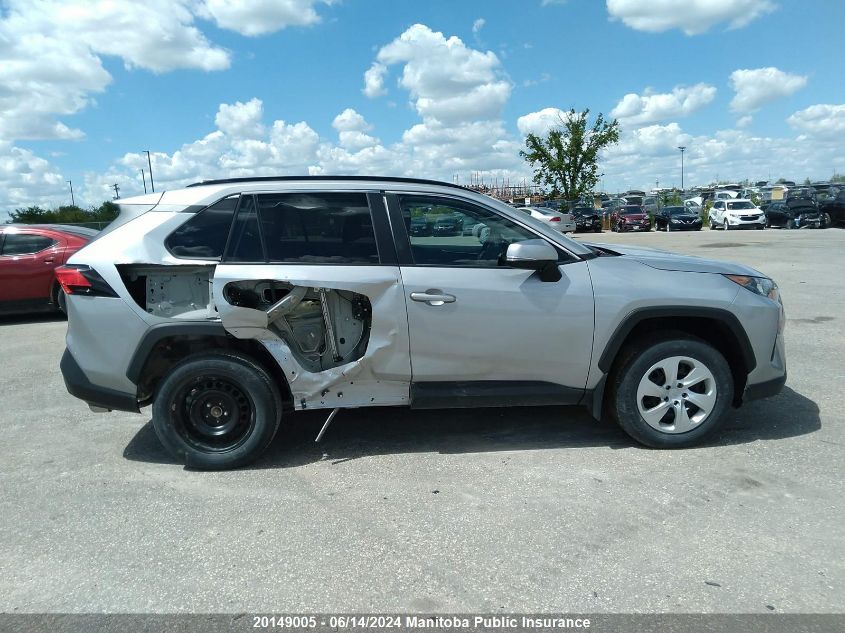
(722, 331)
(168, 351)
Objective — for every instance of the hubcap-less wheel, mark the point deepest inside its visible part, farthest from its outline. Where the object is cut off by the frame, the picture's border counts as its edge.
(676, 394)
(213, 414)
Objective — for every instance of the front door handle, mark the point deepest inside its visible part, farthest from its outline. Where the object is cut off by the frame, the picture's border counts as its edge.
(433, 297)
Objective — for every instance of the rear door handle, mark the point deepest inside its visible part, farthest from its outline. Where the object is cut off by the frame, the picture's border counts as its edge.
(433, 297)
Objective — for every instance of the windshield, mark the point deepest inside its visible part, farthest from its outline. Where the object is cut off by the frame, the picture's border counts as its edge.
(631, 210)
(743, 204)
(677, 211)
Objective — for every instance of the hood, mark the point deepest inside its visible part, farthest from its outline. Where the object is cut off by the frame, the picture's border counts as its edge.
(664, 260)
(685, 216)
(634, 216)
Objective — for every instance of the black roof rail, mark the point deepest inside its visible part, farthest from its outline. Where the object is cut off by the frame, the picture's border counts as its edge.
(417, 181)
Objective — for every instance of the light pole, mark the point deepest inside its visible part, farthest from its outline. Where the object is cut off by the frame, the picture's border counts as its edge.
(144, 178)
(72, 201)
(150, 165)
(682, 148)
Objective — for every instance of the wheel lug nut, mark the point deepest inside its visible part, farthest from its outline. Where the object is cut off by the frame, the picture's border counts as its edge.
(685, 395)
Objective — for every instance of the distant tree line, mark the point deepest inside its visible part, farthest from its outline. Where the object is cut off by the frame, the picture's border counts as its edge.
(67, 214)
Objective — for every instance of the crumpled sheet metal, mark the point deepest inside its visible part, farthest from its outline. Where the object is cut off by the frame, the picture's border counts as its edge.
(380, 377)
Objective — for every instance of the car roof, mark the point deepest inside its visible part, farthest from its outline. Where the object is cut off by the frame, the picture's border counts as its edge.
(419, 181)
(209, 191)
(79, 231)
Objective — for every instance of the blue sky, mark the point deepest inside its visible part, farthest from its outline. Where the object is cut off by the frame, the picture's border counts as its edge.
(754, 88)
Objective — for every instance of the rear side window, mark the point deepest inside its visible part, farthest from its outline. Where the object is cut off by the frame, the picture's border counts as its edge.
(204, 235)
(305, 228)
(25, 243)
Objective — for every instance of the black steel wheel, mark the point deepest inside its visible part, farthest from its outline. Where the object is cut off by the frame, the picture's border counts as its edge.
(216, 411)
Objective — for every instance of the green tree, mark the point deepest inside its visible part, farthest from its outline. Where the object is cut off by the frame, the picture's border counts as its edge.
(566, 160)
(67, 214)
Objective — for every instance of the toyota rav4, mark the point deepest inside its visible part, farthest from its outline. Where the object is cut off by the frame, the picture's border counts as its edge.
(230, 303)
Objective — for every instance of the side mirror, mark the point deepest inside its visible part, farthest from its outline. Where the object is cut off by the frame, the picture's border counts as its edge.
(536, 255)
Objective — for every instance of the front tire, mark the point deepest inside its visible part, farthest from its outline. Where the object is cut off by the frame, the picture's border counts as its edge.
(671, 393)
(216, 411)
(726, 226)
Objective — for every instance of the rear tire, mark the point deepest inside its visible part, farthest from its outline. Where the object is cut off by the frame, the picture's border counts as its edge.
(216, 411)
(673, 417)
(60, 300)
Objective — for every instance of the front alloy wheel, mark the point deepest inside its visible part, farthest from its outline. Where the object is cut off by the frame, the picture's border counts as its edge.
(676, 394)
(726, 226)
(670, 392)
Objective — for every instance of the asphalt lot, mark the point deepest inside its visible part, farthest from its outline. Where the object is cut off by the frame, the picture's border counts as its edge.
(513, 510)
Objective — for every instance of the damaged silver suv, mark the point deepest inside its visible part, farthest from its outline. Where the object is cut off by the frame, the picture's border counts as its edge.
(230, 303)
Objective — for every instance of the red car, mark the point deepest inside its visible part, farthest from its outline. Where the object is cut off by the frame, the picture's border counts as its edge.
(630, 218)
(29, 256)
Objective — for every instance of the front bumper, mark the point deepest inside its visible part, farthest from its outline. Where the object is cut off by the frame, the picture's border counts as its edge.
(78, 385)
(736, 223)
(684, 226)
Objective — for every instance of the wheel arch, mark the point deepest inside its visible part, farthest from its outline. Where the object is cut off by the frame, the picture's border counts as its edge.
(166, 344)
(716, 326)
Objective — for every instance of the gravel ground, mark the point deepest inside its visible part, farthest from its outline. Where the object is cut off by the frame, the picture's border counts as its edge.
(513, 510)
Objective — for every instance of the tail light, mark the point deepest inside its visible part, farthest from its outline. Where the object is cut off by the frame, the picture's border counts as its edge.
(555, 219)
(83, 280)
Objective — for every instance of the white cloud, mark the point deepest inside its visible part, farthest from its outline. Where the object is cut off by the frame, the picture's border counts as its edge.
(478, 25)
(352, 128)
(757, 87)
(744, 121)
(258, 17)
(27, 180)
(241, 119)
(374, 80)
(652, 107)
(821, 120)
(448, 82)
(541, 122)
(691, 16)
(647, 154)
(544, 77)
(350, 121)
(52, 52)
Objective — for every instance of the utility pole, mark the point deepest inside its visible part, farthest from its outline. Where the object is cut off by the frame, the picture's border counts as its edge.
(150, 165)
(116, 188)
(144, 178)
(72, 201)
(682, 148)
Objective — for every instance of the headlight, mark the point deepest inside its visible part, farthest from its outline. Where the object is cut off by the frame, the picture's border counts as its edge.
(762, 286)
